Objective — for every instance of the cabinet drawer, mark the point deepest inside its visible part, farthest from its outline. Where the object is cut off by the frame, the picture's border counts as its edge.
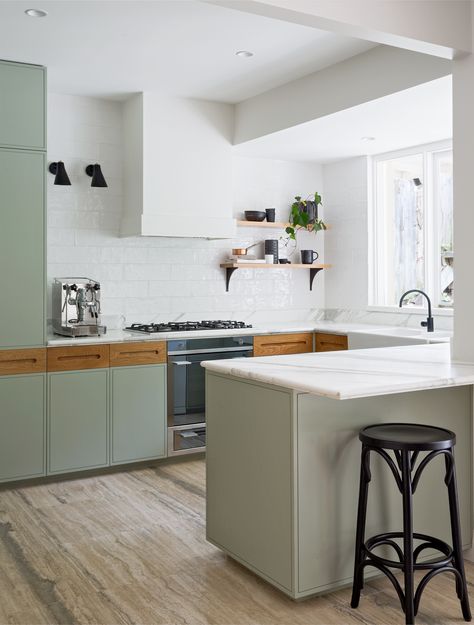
(76, 358)
(16, 361)
(330, 342)
(276, 344)
(127, 354)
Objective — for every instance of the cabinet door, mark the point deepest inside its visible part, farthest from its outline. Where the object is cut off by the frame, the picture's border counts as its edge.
(22, 232)
(330, 342)
(77, 420)
(22, 426)
(277, 344)
(138, 408)
(22, 106)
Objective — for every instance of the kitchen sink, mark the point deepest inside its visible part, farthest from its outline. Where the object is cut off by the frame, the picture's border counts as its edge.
(396, 336)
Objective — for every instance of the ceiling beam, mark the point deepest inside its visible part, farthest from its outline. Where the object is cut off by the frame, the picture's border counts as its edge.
(436, 27)
(376, 73)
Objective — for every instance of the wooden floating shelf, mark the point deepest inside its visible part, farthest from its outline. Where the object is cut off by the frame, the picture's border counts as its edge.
(262, 224)
(313, 269)
(267, 224)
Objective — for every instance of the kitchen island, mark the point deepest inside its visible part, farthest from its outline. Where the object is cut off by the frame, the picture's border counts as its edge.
(283, 456)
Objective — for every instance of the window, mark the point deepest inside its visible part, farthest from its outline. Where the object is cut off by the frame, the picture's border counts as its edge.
(412, 226)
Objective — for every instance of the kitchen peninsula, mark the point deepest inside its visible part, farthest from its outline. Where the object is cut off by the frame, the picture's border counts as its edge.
(283, 455)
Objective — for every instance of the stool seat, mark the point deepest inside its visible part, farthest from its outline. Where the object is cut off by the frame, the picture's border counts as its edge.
(407, 436)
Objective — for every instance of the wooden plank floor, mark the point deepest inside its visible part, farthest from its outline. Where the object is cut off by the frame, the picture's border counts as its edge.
(129, 548)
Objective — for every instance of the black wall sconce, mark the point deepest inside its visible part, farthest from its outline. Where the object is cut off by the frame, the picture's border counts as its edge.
(95, 172)
(59, 171)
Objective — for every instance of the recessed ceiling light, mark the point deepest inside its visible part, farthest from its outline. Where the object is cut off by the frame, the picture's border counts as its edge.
(367, 138)
(244, 54)
(36, 13)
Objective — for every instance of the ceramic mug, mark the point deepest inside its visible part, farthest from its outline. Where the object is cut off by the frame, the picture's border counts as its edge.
(308, 257)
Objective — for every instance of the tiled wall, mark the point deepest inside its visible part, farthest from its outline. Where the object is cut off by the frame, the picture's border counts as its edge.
(157, 279)
(346, 243)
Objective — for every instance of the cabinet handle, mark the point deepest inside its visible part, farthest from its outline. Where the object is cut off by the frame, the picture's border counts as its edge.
(182, 363)
(155, 352)
(81, 357)
(16, 361)
(284, 343)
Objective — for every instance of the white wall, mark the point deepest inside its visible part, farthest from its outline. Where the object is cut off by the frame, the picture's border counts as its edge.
(463, 141)
(164, 278)
(346, 201)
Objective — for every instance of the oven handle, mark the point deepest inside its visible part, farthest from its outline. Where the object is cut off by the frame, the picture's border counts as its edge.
(217, 350)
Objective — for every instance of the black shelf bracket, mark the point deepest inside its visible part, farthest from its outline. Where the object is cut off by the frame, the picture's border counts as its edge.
(228, 275)
(230, 270)
(312, 274)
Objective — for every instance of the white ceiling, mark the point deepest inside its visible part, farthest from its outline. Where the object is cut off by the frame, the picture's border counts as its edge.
(111, 48)
(422, 114)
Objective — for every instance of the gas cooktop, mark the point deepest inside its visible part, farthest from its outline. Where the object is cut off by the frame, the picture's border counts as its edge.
(186, 326)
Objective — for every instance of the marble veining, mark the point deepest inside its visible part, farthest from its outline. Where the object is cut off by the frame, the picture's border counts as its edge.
(356, 373)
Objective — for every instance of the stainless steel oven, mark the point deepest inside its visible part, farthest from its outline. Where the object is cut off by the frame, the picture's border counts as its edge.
(186, 387)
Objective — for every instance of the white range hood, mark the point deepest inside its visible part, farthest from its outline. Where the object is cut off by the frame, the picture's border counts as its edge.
(178, 167)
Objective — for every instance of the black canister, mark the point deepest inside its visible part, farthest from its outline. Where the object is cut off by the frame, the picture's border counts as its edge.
(271, 247)
(270, 213)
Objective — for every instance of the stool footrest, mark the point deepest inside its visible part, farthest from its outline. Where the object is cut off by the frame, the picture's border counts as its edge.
(428, 542)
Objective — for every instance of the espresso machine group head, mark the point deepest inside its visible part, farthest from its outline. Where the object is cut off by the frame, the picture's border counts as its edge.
(76, 307)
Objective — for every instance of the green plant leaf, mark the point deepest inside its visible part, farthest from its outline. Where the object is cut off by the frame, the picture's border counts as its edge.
(304, 219)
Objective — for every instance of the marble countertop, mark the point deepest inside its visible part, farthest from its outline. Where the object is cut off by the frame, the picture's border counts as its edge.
(118, 336)
(354, 374)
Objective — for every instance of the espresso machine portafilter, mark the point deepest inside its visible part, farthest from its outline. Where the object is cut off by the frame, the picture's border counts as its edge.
(76, 307)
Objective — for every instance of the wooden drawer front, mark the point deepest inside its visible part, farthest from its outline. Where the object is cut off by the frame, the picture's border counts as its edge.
(74, 358)
(330, 342)
(127, 354)
(16, 361)
(276, 344)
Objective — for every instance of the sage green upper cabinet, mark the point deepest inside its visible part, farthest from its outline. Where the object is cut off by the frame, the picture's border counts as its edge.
(138, 411)
(22, 106)
(22, 241)
(78, 418)
(22, 426)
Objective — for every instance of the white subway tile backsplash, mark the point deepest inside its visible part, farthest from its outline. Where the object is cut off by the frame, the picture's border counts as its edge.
(154, 278)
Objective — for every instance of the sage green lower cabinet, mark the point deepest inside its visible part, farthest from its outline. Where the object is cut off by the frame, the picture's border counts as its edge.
(22, 426)
(138, 413)
(77, 420)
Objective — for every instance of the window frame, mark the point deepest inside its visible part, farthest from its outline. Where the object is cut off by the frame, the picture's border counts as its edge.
(378, 232)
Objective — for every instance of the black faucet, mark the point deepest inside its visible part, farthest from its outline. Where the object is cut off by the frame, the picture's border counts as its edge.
(429, 323)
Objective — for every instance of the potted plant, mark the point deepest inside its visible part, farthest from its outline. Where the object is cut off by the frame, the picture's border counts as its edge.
(304, 215)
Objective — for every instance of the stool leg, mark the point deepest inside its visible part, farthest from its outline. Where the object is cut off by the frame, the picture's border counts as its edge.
(408, 538)
(358, 581)
(461, 587)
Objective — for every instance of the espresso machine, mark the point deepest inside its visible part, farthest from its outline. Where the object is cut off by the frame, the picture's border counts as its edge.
(76, 307)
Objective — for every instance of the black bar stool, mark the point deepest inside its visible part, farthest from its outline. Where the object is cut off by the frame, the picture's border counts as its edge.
(407, 441)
